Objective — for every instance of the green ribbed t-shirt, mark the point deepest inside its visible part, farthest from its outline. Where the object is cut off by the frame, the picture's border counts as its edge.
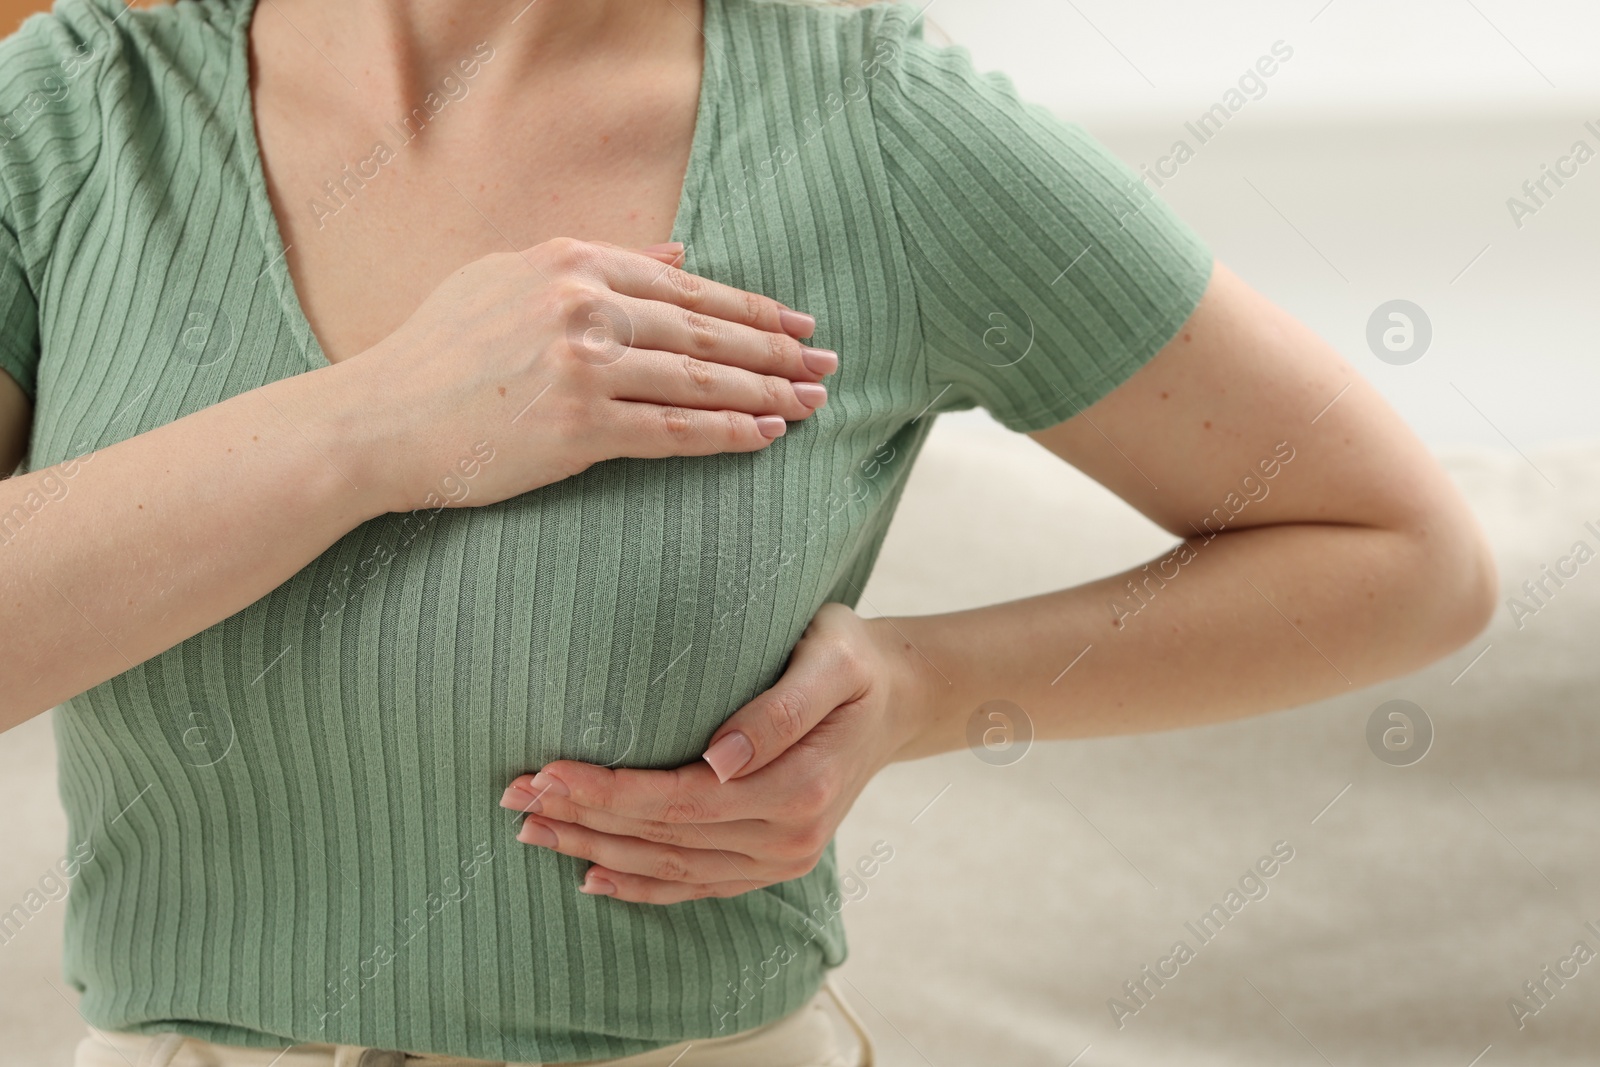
(291, 819)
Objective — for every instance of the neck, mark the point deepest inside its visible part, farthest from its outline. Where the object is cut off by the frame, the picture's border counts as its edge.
(399, 47)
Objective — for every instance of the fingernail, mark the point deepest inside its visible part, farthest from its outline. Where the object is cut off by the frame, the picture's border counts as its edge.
(534, 832)
(797, 322)
(597, 886)
(819, 360)
(729, 754)
(665, 246)
(811, 394)
(771, 425)
(542, 783)
(520, 800)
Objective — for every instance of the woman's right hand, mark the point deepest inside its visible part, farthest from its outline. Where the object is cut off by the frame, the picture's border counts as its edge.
(567, 354)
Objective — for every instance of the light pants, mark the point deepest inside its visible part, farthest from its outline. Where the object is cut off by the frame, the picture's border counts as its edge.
(818, 1035)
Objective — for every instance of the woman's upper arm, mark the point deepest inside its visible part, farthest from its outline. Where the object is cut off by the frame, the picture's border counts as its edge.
(19, 333)
(1248, 418)
(50, 81)
(1057, 291)
(16, 418)
(19, 346)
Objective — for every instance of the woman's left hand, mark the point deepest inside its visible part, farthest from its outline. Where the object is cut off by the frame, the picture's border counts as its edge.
(762, 805)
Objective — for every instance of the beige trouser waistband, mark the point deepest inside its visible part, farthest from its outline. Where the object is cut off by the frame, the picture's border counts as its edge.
(809, 1037)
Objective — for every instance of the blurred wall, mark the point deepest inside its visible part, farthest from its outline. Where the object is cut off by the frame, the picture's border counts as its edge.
(1148, 60)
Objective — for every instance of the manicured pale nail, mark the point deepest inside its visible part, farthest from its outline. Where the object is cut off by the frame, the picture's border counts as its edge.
(819, 360)
(597, 886)
(771, 425)
(536, 833)
(811, 394)
(797, 322)
(665, 246)
(729, 754)
(542, 783)
(520, 800)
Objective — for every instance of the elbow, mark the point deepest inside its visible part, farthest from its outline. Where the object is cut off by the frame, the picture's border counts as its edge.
(1464, 579)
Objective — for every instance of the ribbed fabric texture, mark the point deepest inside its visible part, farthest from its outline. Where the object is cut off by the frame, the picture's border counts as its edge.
(292, 817)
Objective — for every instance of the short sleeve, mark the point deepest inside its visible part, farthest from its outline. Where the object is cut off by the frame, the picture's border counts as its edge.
(1046, 272)
(49, 140)
(19, 311)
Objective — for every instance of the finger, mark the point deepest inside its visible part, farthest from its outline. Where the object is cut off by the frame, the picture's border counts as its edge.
(632, 276)
(655, 431)
(654, 377)
(637, 889)
(649, 250)
(819, 678)
(743, 835)
(688, 794)
(665, 863)
(643, 323)
(670, 253)
(661, 246)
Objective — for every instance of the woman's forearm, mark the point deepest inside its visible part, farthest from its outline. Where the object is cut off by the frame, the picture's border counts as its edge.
(119, 555)
(1250, 621)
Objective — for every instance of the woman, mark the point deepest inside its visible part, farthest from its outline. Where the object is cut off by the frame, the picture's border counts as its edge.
(380, 456)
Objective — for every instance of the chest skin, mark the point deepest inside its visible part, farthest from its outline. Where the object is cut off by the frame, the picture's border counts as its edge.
(381, 192)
